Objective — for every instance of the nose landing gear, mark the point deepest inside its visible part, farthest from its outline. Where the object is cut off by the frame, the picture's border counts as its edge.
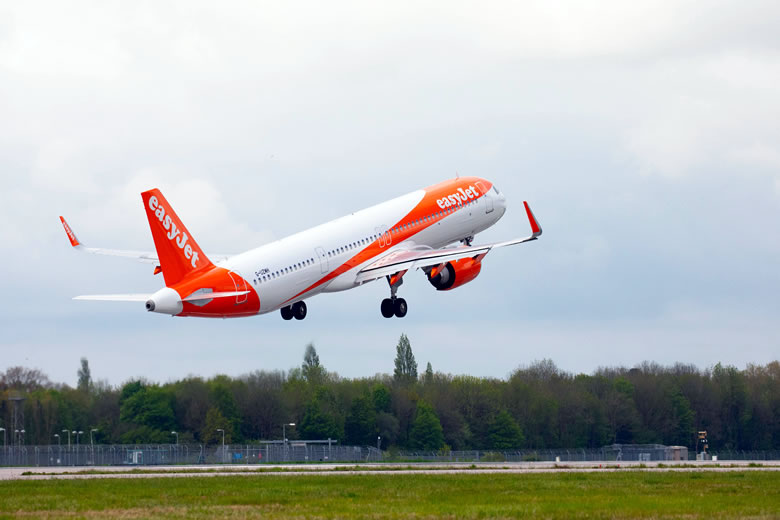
(394, 306)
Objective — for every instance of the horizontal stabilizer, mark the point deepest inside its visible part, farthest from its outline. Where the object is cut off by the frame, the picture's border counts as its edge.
(149, 257)
(211, 295)
(114, 297)
(144, 297)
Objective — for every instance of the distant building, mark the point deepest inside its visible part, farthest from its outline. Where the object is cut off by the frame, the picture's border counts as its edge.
(645, 452)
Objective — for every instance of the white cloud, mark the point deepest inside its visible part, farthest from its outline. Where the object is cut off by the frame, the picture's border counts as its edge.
(641, 132)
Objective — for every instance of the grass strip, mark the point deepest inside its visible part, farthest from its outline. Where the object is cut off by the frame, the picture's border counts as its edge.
(562, 495)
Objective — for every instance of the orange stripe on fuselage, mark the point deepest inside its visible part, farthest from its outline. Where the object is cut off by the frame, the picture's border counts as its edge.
(427, 212)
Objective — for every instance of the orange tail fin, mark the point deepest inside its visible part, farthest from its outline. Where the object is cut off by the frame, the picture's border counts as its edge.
(179, 254)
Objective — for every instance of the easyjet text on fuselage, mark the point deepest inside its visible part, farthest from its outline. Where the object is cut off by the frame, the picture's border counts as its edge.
(459, 197)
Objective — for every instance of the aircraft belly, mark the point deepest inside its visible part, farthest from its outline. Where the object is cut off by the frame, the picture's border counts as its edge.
(343, 282)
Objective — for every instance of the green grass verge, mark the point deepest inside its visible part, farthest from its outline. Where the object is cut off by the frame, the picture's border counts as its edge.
(562, 495)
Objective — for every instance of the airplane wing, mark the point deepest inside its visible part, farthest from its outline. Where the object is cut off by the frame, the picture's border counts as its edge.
(148, 257)
(405, 260)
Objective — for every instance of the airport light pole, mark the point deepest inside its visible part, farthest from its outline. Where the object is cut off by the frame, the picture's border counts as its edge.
(223, 442)
(378, 442)
(284, 437)
(284, 431)
(78, 434)
(59, 448)
(92, 445)
(68, 432)
(176, 447)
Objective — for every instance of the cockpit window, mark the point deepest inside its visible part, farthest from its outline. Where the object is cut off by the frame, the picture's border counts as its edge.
(496, 190)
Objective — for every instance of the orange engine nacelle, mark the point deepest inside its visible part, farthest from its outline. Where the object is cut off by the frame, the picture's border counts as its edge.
(455, 274)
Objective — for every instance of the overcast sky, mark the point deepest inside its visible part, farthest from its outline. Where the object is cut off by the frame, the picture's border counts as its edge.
(645, 135)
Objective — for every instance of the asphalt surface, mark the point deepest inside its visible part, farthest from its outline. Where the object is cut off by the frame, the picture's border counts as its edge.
(92, 472)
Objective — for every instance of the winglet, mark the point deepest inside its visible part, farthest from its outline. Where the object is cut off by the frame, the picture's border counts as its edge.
(535, 227)
(71, 235)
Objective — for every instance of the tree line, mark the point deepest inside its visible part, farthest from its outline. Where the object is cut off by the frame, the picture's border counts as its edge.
(536, 407)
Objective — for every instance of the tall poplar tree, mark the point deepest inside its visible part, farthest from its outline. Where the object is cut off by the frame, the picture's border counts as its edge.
(85, 376)
(405, 365)
(312, 371)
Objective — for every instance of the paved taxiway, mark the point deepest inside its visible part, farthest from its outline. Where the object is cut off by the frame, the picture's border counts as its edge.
(80, 472)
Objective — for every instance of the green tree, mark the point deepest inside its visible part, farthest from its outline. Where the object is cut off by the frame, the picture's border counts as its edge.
(85, 376)
(387, 428)
(360, 426)
(504, 433)
(382, 398)
(405, 371)
(262, 406)
(682, 420)
(311, 369)
(222, 397)
(191, 402)
(130, 388)
(428, 376)
(317, 423)
(426, 431)
(150, 406)
(215, 421)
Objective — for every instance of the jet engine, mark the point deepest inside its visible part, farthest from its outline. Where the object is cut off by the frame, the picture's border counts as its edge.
(454, 274)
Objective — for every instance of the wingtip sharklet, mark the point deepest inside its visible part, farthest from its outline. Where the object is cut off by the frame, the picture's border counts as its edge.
(535, 227)
(74, 241)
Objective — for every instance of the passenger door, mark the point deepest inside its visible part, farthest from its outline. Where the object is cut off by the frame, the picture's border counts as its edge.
(323, 259)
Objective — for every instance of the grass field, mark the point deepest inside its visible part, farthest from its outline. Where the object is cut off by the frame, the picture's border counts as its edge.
(611, 494)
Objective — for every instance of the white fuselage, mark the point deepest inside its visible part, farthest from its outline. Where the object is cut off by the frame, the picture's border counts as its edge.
(289, 269)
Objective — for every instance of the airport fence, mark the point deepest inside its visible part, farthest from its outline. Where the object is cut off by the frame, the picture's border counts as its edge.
(277, 452)
(184, 454)
(607, 454)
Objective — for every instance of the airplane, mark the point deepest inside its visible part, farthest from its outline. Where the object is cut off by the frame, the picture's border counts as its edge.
(430, 229)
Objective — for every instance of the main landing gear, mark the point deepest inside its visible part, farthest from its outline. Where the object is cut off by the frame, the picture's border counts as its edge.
(394, 306)
(297, 310)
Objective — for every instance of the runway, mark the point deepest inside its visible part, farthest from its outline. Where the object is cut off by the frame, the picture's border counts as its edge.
(97, 472)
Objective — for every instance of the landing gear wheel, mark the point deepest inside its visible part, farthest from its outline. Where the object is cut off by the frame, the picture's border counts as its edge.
(299, 310)
(400, 308)
(287, 313)
(388, 309)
